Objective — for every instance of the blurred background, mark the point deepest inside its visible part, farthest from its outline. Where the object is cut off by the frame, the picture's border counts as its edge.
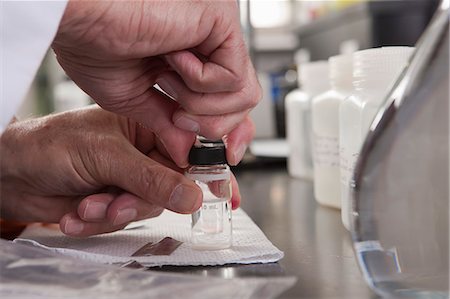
(280, 34)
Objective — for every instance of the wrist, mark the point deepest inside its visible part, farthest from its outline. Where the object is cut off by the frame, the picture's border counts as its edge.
(8, 147)
(8, 172)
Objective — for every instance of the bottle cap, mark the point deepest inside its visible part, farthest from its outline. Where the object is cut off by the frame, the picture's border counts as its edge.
(341, 71)
(301, 57)
(314, 77)
(379, 66)
(207, 152)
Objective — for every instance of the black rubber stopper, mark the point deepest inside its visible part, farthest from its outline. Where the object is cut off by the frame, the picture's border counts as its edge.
(207, 152)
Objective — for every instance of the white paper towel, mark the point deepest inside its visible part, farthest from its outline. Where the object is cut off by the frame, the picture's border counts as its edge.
(250, 245)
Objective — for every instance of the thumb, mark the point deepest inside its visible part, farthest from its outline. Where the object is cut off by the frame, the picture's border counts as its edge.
(129, 169)
(154, 110)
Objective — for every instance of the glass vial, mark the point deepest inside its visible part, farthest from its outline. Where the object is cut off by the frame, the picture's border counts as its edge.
(211, 227)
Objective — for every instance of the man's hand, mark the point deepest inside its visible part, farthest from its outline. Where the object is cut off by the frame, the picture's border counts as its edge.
(92, 171)
(117, 50)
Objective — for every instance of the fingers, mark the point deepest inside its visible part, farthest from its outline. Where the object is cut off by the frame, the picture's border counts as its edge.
(212, 127)
(106, 212)
(154, 110)
(238, 131)
(94, 207)
(211, 108)
(203, 102)
(235, 194)
(71, 224)
(128, 207)
(125, 167)
(100, 213)
(117, 209)
(238, 140)
(218, 189)
(205, 77)
(161, 186)
(163, 160)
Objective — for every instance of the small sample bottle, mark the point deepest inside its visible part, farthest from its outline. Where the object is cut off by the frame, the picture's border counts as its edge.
(298, 117)
(325, 127)
(211, 224)
(374, 73)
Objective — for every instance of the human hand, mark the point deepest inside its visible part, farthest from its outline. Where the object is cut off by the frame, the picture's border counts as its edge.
(92, 171)
(117, 50)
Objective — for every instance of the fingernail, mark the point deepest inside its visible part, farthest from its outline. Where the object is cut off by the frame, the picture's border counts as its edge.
(184, 199)
(239, 154)
(125, 216)
(187, 124)
(166, 87)
(73, 227)
(95, 210)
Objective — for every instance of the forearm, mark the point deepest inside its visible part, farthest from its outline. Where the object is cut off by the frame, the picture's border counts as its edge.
(6, 151)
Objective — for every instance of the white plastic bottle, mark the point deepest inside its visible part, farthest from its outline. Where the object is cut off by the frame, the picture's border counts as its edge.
(374, 72)
(312, 81)
(325, 128)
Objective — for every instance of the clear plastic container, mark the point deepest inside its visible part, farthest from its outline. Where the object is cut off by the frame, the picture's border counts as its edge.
(400, 227)
(211, 224)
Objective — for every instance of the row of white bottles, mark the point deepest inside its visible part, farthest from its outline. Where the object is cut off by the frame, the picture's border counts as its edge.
(330, 116)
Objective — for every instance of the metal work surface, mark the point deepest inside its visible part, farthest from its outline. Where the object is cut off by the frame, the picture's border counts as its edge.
(317, 247)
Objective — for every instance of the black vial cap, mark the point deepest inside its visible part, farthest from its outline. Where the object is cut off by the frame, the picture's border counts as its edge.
(207, 152)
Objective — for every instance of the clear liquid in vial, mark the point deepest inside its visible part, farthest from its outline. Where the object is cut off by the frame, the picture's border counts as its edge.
(211, 225)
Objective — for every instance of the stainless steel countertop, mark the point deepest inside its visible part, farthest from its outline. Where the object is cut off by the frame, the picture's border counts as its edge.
(317, 247)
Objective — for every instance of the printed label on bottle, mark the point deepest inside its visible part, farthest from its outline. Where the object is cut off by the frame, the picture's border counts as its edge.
(326, 151)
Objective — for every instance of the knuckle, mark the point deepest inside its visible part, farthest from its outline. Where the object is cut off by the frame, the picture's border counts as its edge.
(256, 96)
(259, 93)
(252, 95)
(152, 211)
(191, 106)
(237, 81)
(251, 102)
(233, 79)
(197, 83)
